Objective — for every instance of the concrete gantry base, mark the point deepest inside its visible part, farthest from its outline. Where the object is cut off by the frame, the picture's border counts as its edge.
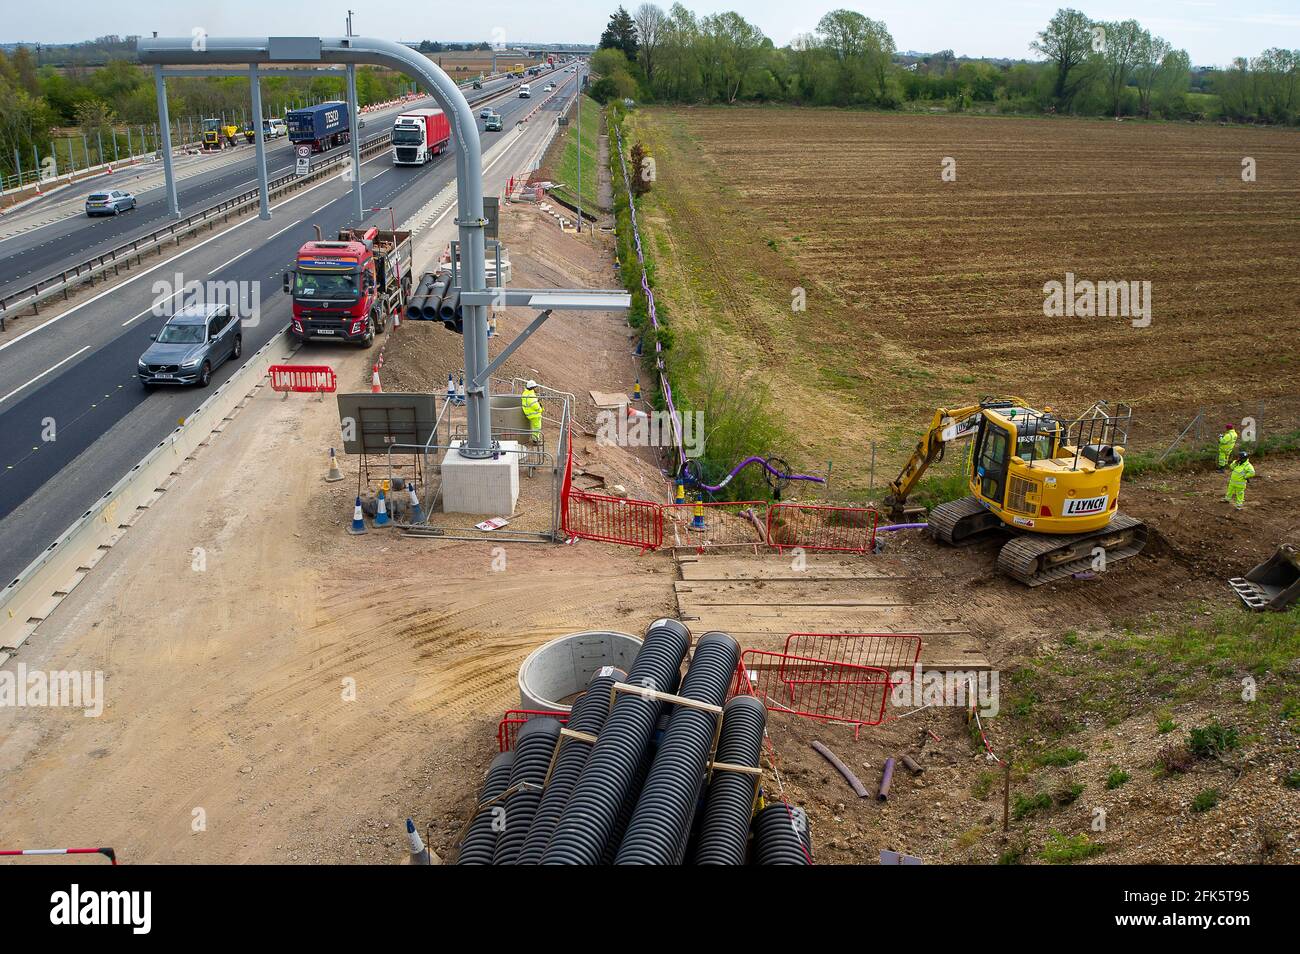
(488, 486)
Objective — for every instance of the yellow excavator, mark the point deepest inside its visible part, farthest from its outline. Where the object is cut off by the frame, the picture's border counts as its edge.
(1052, 482)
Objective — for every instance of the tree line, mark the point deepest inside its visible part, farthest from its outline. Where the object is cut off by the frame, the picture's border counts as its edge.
(1088, 68)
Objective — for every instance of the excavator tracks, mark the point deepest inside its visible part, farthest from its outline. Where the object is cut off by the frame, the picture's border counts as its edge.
(1035, 559)
(961, 521)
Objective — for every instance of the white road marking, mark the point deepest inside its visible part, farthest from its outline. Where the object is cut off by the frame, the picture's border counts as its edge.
(43, 374)
(230, 261)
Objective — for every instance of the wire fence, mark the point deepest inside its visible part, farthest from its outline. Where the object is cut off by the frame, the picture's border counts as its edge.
(1153, 437)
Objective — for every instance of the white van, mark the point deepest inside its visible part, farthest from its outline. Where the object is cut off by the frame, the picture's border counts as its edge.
(274, 128)
(525, 91)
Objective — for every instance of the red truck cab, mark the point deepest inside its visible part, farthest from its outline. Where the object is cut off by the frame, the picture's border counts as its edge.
(345, 290)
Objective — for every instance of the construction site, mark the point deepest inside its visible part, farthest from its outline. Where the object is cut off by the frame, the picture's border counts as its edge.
(409, 603)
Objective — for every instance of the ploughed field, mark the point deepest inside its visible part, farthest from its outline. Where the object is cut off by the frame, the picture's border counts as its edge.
(924, 244)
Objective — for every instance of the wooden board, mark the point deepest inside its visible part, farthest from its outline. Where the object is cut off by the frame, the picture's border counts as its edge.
(606, 400)
(706, 568)
(761, 601)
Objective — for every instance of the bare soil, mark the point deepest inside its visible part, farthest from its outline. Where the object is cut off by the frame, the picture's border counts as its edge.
(925, 293)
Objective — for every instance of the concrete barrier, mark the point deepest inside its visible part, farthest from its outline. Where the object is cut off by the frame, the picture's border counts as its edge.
(30, 598)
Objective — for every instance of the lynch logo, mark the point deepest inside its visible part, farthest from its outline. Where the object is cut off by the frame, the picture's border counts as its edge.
(1077, 506)
(132, 908)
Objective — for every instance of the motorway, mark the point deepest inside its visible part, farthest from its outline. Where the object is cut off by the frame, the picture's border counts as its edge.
(73, 378)
(35, 253)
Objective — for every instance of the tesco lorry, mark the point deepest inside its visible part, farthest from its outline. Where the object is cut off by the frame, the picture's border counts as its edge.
(322, 127)
(345, 290)
(420, 135)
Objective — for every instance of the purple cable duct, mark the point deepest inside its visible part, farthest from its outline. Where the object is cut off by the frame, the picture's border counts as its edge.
(902, 526)
(766, 466)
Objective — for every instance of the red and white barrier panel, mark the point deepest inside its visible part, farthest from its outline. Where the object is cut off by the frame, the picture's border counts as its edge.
(302, 378)
(108, 853)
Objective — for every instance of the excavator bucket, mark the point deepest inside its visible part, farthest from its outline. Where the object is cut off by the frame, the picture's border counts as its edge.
(1274, 584)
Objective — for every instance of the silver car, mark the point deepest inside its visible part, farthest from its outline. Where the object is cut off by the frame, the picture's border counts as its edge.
(112, 202)
(190, 346)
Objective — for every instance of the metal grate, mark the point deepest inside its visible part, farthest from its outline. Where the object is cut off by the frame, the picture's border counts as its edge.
(1018, 494)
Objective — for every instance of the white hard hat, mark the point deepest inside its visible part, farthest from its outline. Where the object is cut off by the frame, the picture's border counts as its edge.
(530, 383)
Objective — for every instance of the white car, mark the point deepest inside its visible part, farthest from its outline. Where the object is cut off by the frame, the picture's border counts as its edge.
(525, 91)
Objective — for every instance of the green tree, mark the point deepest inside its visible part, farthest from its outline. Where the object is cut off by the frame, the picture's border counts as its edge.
(1151, 54)
(1120, 52)
(733, 46)
(620, 34)
(1066, 42)
(650, 21)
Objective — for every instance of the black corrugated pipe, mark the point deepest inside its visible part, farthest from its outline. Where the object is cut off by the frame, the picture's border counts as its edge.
(588, 715)
(729, 801)
(634, 790)
(778, 830)
(481, 839)
(662, 819)
(586, 824)
(533, 749)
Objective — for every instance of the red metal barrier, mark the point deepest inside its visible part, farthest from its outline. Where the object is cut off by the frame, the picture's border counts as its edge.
(635, 523)
(309, 378)
(508, 727)
(714, 525)
(815, 688)
(894, 652)
(819, 527)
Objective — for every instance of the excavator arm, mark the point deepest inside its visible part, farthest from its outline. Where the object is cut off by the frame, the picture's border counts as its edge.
(948, 424)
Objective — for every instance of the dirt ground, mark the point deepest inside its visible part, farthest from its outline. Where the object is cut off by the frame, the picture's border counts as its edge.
(925, 293)
(952, 814)
(226, 708)
(280, 691)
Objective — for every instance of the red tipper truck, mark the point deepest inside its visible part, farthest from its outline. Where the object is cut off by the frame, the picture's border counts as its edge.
(346, 290)
(420, 135)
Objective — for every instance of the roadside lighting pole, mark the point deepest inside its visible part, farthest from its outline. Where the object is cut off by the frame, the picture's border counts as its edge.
(355, 138)
(577, 79)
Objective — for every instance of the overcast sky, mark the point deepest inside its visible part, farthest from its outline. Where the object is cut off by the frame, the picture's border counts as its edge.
(1212, 31)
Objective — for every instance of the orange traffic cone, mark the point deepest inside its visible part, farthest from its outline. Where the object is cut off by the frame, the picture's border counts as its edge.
(374, 381)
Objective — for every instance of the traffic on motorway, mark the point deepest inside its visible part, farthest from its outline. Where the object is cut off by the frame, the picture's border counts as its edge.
(84, 367)
(49, 248)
